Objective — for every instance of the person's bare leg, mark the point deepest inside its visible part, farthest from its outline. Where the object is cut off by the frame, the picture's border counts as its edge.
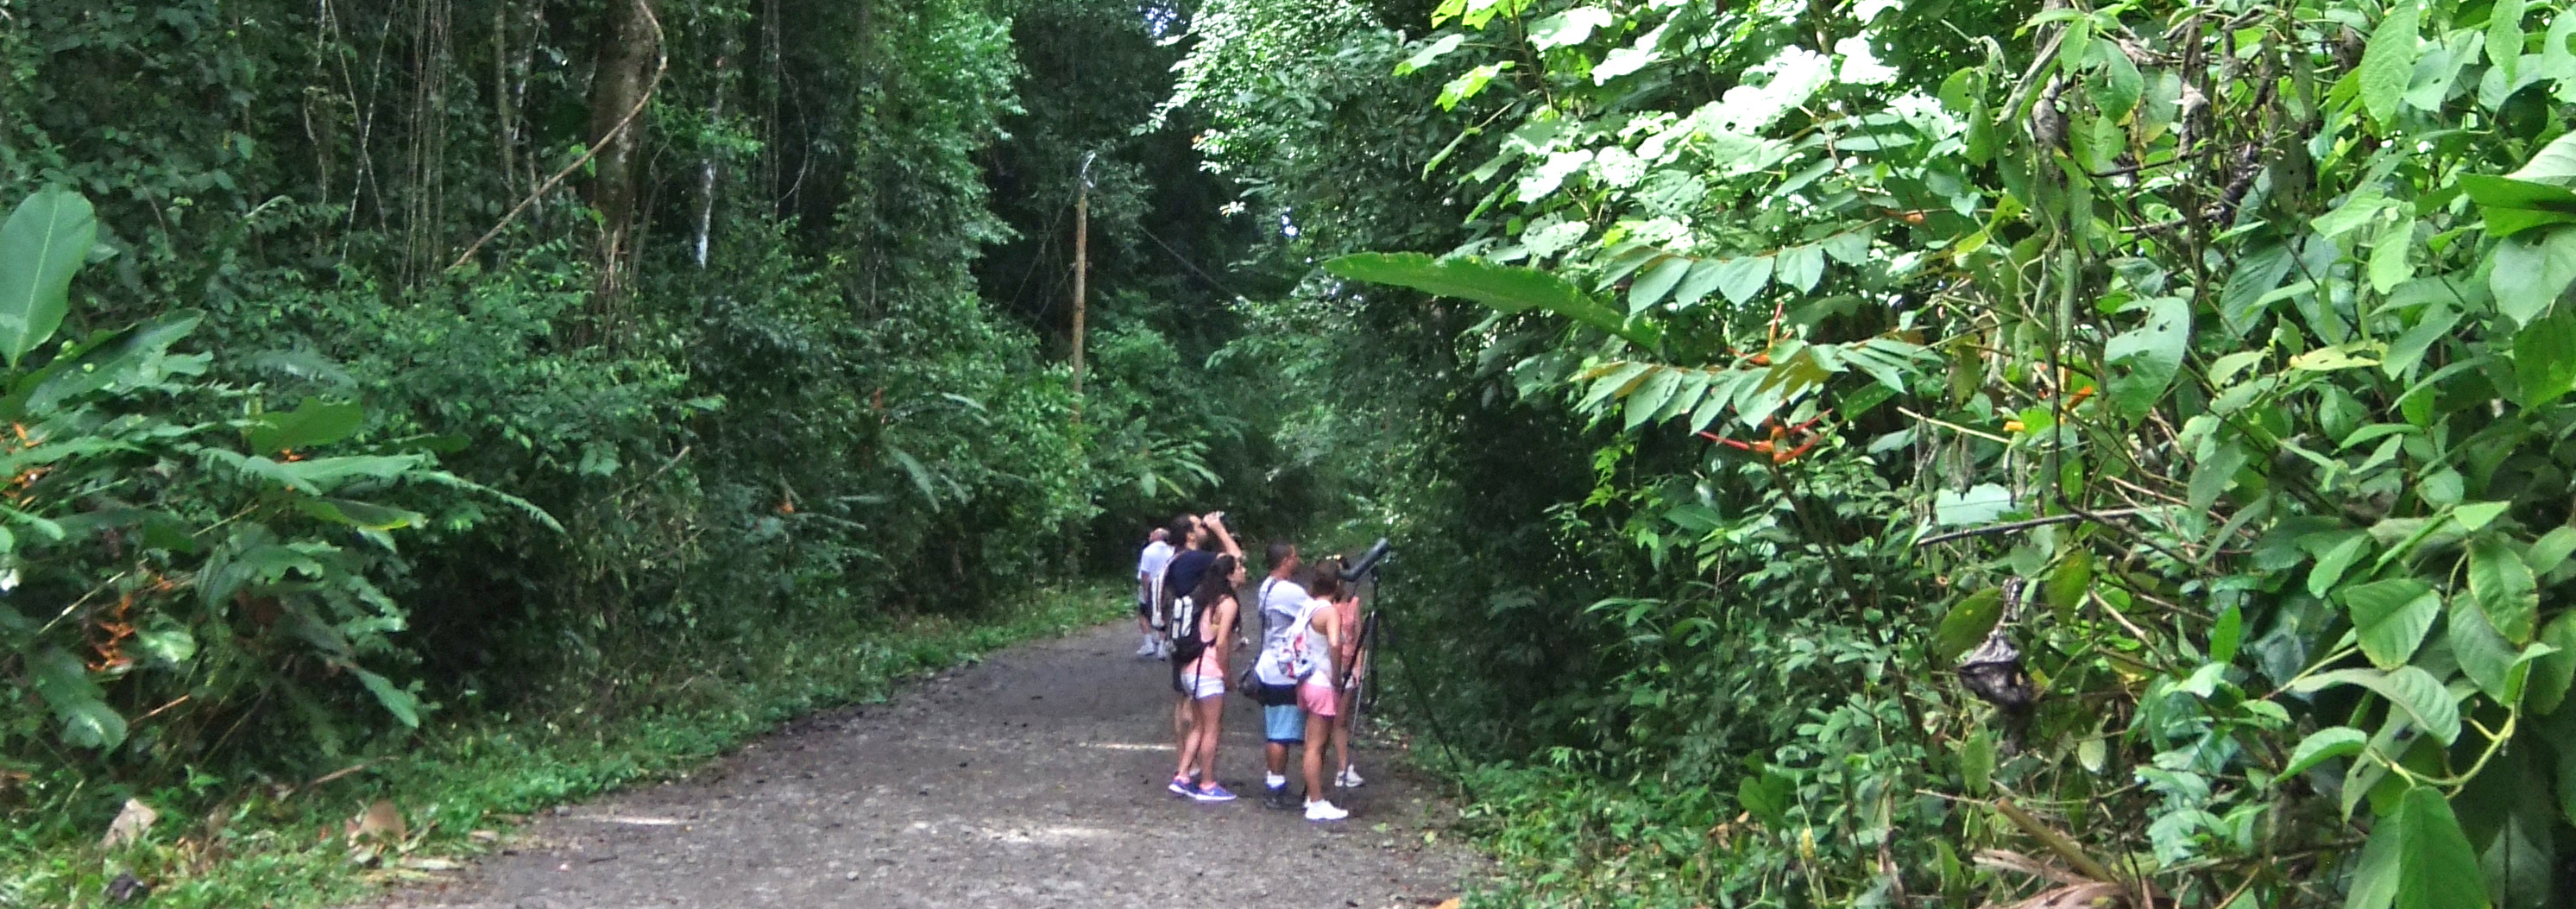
(1277, 755)
(1181, 731)
(1211, 716)
(1317, 729)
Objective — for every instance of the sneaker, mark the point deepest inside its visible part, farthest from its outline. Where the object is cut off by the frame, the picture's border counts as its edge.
(1211, 793)
(1147, 649)
(1180, 785)
(1321, 810)
(1162, 650)
(1349, 778)
(1276, 797)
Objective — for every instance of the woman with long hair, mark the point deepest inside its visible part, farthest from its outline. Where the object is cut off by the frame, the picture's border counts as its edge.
(1347, 658)
(1318, 641)
(1201, 631)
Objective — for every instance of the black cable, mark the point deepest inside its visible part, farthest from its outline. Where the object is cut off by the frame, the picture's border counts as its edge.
(1185, 263)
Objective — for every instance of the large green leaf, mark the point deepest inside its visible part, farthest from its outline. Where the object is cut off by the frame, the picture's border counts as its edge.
(2388, 63)
(2391, 618)
(2504, 589)
(2409, 689)
(87, 720)
(2418, 858)
(136, 355)
(1966, 625)
(42, 245)
(2500, 670)
(1570, 27)
(314, 422)
(2257, 273)
(2321, 746)
(2144, 359)
(398, 702)
(2530, 272)
(1657, 280)
(1506, 288)
(2556, 161)
(2544, 358)
(2512, 206)
(2553, 673)
(1741, 278)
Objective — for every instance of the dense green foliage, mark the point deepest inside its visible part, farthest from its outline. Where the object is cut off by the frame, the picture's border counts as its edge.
(429, 363)
(1717, 367)
(2233, 328)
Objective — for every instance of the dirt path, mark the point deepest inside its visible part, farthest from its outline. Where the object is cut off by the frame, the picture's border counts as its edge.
(1032, 779)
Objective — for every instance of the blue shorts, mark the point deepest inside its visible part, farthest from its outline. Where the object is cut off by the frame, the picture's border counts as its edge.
(1285, 725)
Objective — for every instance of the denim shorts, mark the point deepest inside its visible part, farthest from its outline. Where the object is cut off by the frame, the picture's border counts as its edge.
(1284, 724)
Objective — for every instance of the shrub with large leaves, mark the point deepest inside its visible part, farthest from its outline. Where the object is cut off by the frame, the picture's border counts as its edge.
(176, 561)
(2239, 327)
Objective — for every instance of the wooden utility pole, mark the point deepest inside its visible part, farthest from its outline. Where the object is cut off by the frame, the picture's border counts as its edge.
(1081, 271)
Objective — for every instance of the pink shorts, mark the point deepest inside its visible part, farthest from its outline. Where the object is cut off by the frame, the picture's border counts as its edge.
(1317, 699)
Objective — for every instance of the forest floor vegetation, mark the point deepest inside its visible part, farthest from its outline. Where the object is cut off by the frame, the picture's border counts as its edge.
(461, 787)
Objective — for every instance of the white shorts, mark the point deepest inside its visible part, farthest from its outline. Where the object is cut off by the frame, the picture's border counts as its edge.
(1200, 687)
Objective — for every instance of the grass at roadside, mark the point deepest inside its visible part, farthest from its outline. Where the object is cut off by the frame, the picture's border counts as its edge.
(463, 781)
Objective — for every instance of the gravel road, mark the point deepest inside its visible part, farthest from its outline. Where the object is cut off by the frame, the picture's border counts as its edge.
(1033, 779)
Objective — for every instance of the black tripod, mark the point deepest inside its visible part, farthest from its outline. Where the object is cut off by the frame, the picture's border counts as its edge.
(1375, 572)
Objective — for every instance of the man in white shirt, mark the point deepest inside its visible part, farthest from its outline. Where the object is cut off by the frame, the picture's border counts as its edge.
(1149, 584)
(1283, 722)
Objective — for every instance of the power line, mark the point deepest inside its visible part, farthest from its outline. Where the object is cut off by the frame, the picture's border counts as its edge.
(1185, 263)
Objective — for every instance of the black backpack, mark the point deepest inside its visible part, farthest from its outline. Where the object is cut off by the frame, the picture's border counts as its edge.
(1186, 645)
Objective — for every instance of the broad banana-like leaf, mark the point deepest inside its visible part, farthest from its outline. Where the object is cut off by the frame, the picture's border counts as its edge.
(41, 245)
(1506, 288)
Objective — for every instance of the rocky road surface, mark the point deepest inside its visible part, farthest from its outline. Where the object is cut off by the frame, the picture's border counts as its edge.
(1032, 779)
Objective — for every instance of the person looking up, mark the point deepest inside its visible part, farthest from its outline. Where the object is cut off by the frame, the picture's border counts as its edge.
(1283, 722)
(1149, 594)
(1314, 638)
(1202, 536)
(1202, 628)
(1201, 540)
(1347, 658)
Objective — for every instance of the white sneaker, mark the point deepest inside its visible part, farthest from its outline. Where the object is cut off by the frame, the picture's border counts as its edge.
(1148, 648)
(1162, 650)
(1349, 778)
(1321, 810)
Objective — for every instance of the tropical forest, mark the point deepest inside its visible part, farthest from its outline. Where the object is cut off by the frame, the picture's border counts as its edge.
(1878, 453)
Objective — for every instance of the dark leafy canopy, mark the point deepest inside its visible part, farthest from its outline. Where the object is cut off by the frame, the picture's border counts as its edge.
(371, 364)
(1713, 362)
(2237, 329)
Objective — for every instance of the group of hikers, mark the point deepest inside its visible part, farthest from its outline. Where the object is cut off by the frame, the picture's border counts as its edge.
(1189, 609)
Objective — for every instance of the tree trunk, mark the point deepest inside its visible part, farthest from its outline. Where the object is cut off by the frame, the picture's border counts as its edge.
(707, 167)
(624, 74)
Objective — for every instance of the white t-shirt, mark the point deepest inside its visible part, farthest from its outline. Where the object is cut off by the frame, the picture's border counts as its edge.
(1150, 565)
(1280, 603)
